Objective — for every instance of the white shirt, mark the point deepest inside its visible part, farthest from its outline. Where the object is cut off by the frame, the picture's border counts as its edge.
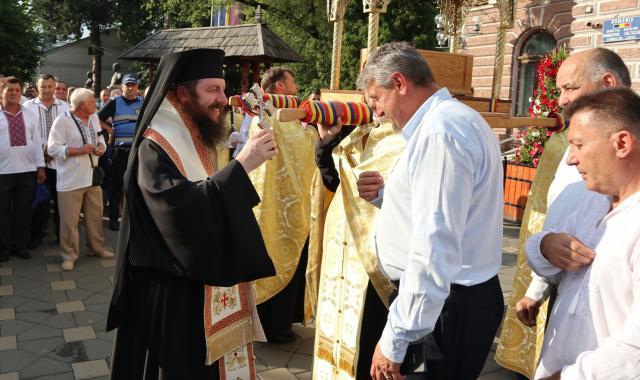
(566, 192)
(441, 219)
(73, 172)
(38, 108)
(243, 135)
(594, 327)
(20, 159)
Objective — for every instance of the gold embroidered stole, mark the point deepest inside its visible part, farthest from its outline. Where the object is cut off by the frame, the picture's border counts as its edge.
(284, 185)
(519, 345)
(229, 312)
(348, 258)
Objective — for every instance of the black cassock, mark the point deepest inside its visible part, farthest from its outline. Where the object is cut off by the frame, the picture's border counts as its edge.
(177, 236)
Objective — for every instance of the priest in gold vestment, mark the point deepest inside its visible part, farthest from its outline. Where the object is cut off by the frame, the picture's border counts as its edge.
(556, 189)
(344, 282)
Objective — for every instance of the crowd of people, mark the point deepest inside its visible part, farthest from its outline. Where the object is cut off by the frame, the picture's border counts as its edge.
(55, 152)
(402, 282)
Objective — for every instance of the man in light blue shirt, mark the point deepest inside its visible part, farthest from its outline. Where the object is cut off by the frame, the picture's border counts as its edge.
(439, 231)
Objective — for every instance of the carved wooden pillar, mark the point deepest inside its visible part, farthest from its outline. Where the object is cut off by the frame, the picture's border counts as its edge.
(455, 13)
(374, 8)
(255, 68)
(335, 12)
(244, 83)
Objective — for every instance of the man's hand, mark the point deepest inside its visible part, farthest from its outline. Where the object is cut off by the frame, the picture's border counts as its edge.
(41, 176)
(527, 311)
(383, 368)
(369, 184)
(329, 132)
(259, 148)
(87, 149)
(99, 150)
(566, 252)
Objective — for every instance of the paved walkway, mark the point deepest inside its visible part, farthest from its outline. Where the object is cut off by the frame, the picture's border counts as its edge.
(52, 323)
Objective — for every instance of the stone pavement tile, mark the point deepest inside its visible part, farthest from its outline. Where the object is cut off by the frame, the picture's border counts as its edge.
(273, 358)
(72, 352)
(276, 374)
(51, 253)
(6, 271)
(108, 263)
(303, 332)
(69, 307)
(39, 332)
(78, 294)
(98, 349)
(8, 343)
(289, 347)
(14, 327)
(60, 376)
(35, 305)
(101, 325)
(7, 313)
(6, 290)
(300, 363)
(98, 298)
(44, 276)
(14, 360)
(106, 336)
(260, 366)
(490, 365)
(30, 288)
(74, 274)
(41, 347)
(78, 334)
(34, 316)
(54, 297)
(61, 321)
(63, 285)
(94, 368)
(54, 268)
(13, 301)
(509, 260)
(306, 347)
(86, 318)
(44, 367)
(94, 283)
(9, 376)
(304, 375)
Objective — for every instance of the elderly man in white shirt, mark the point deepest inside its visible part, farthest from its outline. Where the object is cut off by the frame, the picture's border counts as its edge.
(21, 165)
(47, 108)
(594, 328)
(76, 157)
(440, 227)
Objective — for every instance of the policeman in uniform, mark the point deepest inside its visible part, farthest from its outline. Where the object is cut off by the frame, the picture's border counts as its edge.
(123, 111)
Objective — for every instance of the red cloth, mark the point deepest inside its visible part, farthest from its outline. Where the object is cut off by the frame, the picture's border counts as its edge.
(17, 129)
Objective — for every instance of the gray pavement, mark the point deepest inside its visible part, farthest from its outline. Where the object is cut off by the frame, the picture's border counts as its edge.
(52, 323)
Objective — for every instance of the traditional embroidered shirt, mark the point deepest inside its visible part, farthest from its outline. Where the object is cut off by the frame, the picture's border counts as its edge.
(594, 327)
(20, 145)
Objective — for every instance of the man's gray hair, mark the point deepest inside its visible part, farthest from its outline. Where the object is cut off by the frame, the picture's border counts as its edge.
(80, 95)
(393, 57)
(602, 61)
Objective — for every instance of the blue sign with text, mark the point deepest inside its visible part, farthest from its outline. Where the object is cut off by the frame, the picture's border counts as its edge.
(621, 29)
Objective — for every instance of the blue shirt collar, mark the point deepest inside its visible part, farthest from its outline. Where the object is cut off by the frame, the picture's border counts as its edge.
(426, 107)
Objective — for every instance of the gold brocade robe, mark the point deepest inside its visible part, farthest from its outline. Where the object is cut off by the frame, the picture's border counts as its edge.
(519, 346)
(284, 186)
(348, 258)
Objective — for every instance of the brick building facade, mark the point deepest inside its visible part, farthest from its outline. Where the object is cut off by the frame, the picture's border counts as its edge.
(539, 26)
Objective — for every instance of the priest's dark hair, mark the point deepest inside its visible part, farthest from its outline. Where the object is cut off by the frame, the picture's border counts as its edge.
(272, 76)
(616, 109)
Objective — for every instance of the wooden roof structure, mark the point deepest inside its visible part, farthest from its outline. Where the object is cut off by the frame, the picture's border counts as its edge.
(241, 44)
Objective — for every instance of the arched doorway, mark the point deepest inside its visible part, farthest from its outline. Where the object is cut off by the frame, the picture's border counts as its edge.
(531, 48)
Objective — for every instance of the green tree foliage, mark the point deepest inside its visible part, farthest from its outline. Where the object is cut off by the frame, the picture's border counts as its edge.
(19, 41)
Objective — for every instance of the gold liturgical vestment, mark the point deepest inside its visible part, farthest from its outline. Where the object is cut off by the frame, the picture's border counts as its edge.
(519, 346)
(348, 258)
(284, 186)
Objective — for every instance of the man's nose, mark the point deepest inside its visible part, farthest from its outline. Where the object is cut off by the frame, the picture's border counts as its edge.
(571, 157)
(564, 99)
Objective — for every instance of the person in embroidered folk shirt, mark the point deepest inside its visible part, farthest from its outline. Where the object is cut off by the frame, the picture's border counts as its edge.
(47, 108)
(439, 230)
(185, 228)
(594, 328)
(76, 155)
(21, 165)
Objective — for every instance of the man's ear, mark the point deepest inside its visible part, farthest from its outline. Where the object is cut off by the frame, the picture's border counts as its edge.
(399, 82)
(625, 143)
(610, 80)
(182, 92)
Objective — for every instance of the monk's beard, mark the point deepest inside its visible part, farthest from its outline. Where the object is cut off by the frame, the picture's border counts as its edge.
(211, 132)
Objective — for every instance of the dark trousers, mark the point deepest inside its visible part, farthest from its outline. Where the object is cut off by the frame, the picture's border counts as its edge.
(286, 307)
(116, 166)
(373, 322)
(465, 330)
(16, 194)
(41, 213)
